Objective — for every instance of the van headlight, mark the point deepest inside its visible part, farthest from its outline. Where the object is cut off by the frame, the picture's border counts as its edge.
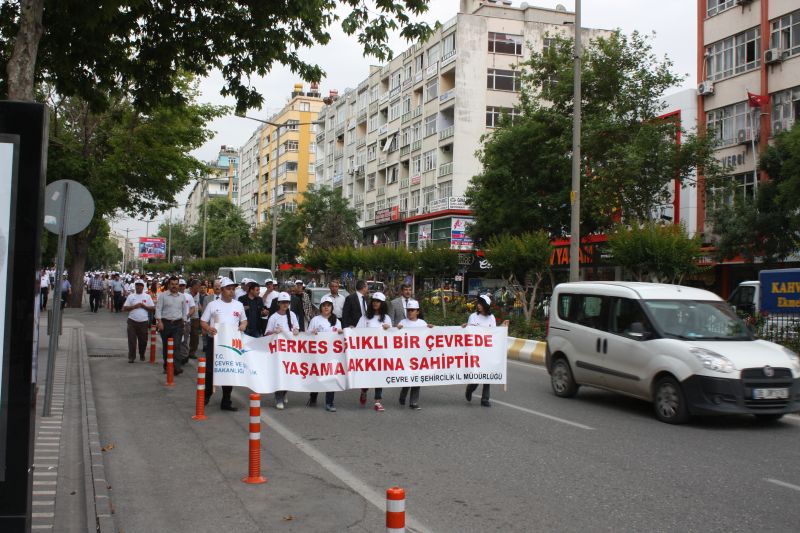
(793, 358)
(713, 361)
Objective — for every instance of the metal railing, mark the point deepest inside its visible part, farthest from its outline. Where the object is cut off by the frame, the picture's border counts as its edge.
(447, 133)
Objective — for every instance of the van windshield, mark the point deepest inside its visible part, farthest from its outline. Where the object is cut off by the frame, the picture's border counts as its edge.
(258, 275)
(693, 320)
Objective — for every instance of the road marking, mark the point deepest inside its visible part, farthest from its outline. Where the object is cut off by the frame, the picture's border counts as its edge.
(365, 491)
(782, 483)
(527, 365)
(543, 415)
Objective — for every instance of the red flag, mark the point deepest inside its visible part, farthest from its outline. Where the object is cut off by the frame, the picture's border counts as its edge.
(756, 100)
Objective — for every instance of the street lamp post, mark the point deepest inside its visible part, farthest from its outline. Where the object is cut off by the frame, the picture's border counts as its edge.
(205, 214)
(575, 194)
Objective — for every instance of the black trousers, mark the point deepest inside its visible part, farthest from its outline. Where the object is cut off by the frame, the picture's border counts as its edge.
(44, 291)
(226, 389)
(94, 299)
(328, 397)
(137, 334)
(484, 392)
(118, 302)
(174, 330)
(414, 394)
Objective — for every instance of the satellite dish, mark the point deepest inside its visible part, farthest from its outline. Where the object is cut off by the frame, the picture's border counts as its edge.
(560, 7)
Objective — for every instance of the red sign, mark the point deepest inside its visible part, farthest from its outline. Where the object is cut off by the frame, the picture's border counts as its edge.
(387, 215)
(152, 247)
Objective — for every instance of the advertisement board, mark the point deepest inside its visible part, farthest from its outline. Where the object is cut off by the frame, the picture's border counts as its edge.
(459, 239)
(152, 247)
(8, 159)
(780, 290)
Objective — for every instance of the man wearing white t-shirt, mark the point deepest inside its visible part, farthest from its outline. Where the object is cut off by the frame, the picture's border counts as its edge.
(226, 310)
(138, 305)
(44, 288)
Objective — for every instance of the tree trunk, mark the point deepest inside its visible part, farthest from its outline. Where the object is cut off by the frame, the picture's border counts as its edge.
(21, 68)
(78, 246)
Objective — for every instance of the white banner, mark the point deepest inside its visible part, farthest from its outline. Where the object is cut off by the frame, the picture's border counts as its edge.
(360, 358)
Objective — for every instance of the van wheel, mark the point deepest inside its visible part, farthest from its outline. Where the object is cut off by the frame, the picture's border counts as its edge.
(768, 418)
(669, 401)
(561, 379)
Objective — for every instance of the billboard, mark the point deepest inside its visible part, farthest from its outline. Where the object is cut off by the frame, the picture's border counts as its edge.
(459, 238)
(152, 247)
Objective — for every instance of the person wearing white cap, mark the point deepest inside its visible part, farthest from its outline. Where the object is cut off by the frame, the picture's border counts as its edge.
(482, 317)
(241, 290)
(412, 320)
(377, 317)
(191, 310)
(282, 320)
(270, 294)
(325, 321)
(138, 305)
(226, 310)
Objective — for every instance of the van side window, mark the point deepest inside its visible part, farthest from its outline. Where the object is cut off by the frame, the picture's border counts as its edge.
(625, 312)
(592, 311)
(565, 307)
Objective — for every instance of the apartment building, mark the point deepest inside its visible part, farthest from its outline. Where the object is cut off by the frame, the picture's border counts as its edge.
(401, 145)
(278, 161)
(221, 181)
(747, 46)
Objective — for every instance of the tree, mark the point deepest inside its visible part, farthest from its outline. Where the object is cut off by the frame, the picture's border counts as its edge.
(139, 48)
(656, 253)
(437, 262)
(329, 219)
(103, 252)
(768, 225)
(289, 237)
(178, 239)
(227, 232)
(130, 161)
(630, 155)
(523, 261)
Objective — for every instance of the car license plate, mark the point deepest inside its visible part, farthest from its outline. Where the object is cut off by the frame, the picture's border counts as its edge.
(770, 394)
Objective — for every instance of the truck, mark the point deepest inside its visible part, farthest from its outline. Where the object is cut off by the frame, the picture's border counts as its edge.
(775, 296)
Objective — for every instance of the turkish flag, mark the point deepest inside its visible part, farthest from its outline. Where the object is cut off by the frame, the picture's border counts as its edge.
(756, 100)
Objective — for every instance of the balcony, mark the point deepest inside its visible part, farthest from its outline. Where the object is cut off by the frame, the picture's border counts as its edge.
(358, 198)
(361, 142)
(404, 183)
(373, 108)
(320, 137)
(448, 58)
(407, 83)
(363, 85)
(418, 77)
(384, 97)
(405, 150)
(416, 145)
(337, 179)
(362, 115)
(338, 152)
(446, 169)
(432, 70)
(382, 162)
(447, 133)
(416, 112)
(340, 130)
(447, 96)
(383, 130)
(381, 191)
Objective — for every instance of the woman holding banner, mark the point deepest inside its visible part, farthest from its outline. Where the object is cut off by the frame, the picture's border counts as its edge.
(482, 317)
(412, 320)
(377, 317)
(282, 320)
(325, 321)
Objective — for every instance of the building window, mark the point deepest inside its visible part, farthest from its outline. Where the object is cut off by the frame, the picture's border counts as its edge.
(734, 55)
(305, 106)
(741, 185)
(407, 104)
(503, 80)
(373, 122)
(392, 174)
(312, 148)
(373, 93)
(396, 79)
(432, 89)
(427, 195)
(505, 43)
(430, 125)
(731, 124)
(416, 132)
(419, 62)
(371, 182)
(494, 115)
(785, 109)
(372, 152)
(405, 137)
(785, 33)
(445, 189)
(394, 110)
(415, 199)
(714, 7)
(429, 161)
(448, 45)
(292, 146)
(370, 211)
(293, 125)
(416, 166)
(433, 54)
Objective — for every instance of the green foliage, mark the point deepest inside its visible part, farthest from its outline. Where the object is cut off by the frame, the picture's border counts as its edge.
(90, 50)
(328, 218)
(769, 225)
(652, 252)
(178, 239)
(436, 261)
(289, 237)
(227, 232)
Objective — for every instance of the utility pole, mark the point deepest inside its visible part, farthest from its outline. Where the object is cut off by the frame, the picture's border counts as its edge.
(125, 257)
(169, 238)
(272, 212)
(575, 193)
(205, 213)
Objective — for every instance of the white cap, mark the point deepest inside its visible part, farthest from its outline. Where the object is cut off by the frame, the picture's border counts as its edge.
(224, 282)
(284, 297)
(326, 300)
(412, 304)
(485, 298)
(139, 282)
(246, 280)
(379, 296)
(299, 282)
(269, 280)
(181, 281)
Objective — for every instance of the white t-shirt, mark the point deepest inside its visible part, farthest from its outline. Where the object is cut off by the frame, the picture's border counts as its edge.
(239, 293)
(218, 312)
(138, 315)
(268, 297)
(44, 282)
(278, 319)
(418, 323)
(374, 322)
(189, 305)
(319, 324)
(338, 303)
(486, 321)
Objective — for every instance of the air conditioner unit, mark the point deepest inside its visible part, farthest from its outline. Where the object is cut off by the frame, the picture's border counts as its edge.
(705, 88)
(777, 127)
(742, 137)
(773, 55)
(743, 2)
(446, 148)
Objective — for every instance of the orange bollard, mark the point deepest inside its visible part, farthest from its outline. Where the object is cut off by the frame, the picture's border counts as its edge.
(170, 364)
(153, 344)
(395, 510)
(254, 475)
(200, 401)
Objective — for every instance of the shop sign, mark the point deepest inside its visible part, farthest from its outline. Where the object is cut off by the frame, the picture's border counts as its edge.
(387, 215)
(459, 239)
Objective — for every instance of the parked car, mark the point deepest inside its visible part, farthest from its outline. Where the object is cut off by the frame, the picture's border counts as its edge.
(683, 349)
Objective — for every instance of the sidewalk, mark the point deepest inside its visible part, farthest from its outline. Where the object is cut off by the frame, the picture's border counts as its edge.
(163, 471)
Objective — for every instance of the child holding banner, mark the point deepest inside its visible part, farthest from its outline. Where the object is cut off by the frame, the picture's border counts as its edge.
(482, 317)
(412, 320)
(325, 321)
(282, 320)
(377, 317)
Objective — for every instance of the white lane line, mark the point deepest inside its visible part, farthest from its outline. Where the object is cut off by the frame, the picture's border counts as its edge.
(527, 365)
(365, 491)
(543, 415)
(782, 483)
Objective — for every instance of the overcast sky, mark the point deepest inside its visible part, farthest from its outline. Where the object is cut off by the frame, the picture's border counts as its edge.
(673, 21)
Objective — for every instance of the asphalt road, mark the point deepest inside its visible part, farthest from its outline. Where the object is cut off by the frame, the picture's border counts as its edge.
(532, 462)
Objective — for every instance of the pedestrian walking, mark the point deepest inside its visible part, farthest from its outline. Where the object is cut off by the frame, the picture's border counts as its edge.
(397, 308)
(44, 288)
(412, 320)
(482, 317)
(194, 319)
(270, 294)
(66, 291)
(225, 310)
(118, 291)
(325, 321)
(283, 320)
(377, 316)
(95, 292)
(355, 305)
(254, 309)
(336, 297)
(138, 305)
(171, 309)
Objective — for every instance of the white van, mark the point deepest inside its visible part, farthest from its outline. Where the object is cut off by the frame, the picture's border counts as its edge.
(237, 274)
(684, 349)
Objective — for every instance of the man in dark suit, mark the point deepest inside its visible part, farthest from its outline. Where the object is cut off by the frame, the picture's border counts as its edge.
(355, 305)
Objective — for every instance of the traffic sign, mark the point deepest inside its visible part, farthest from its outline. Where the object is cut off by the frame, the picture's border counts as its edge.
(69, 204)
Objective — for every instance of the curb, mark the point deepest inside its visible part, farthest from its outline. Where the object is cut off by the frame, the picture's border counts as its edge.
(526, 351)
(98, 503)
